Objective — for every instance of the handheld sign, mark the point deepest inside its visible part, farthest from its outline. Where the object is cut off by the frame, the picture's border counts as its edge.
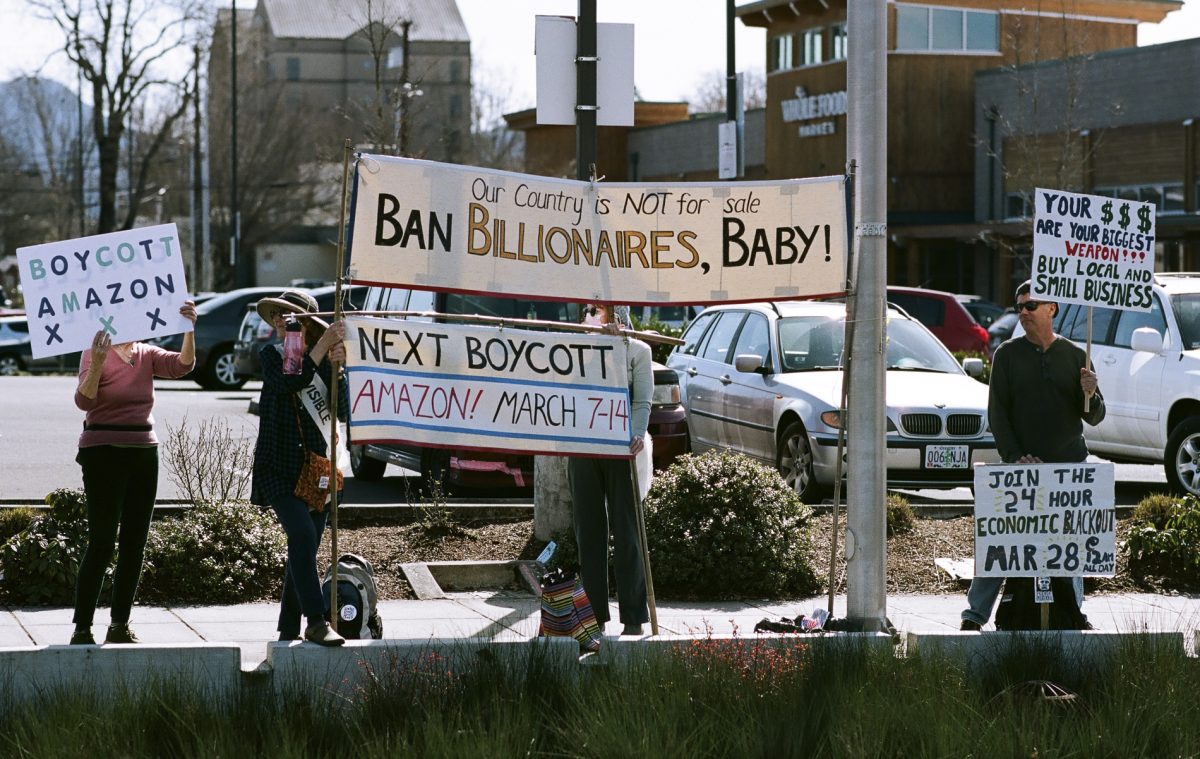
(487, 388)
(1093, 250)
(130, 284)
(437, 226)
(1045, 520)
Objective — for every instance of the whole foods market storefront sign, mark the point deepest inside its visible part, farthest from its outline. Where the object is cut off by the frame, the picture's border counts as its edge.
(805, 107)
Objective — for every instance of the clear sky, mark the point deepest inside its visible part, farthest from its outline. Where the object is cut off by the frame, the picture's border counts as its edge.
(677, 42)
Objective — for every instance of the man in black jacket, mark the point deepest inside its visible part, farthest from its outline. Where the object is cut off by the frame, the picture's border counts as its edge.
(1036, 411)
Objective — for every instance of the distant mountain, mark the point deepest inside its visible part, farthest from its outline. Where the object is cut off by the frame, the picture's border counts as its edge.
(39, 126)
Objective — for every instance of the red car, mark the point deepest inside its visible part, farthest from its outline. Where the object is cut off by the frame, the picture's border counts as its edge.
(945, 317)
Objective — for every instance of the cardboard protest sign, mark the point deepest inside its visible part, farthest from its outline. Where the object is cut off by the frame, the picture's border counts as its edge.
(129, 283)
(437, 226)
(1045, 520)
(1093, 250)
(487, 388)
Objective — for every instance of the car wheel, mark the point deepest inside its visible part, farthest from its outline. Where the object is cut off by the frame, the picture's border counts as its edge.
(9, 365)
(1182, 459)
(435, 471)
(794, 459)
(363, 466)
(221, 373)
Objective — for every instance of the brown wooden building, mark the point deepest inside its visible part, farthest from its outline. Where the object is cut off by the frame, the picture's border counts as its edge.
(935, 50)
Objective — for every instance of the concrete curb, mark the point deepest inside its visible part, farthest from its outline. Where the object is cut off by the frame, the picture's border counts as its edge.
(210, 668)
(1080, 649)
(627, 649)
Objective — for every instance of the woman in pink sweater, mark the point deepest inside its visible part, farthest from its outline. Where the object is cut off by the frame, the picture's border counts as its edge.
(119, 455)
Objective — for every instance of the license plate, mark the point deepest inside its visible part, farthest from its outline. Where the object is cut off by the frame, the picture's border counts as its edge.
(947, 456)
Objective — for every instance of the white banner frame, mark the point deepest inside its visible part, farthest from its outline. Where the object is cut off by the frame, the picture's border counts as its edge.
(130, 283)
(1031, 519)
(498, 393)
(1093, 250)
(436, 226)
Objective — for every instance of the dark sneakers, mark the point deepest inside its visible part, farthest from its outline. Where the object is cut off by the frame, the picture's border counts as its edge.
(82, 638)
(120, 633)
(970, 626)
(323, 635)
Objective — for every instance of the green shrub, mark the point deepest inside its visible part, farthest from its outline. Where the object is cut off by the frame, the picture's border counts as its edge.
(38, 565)
(900, 516)
(721, 525)
(14, 520)
(1156, 509)
(1171, 552)
(566, 552)
(660, 351)
(214, 554)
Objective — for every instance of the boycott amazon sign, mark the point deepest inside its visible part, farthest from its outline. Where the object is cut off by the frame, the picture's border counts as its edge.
(487, 388)
(1093, 250)
(1045, 520)
(443, 227)
(129, 284)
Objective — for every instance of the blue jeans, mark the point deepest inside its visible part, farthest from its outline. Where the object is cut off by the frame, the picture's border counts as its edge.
(982, 595)
(301, 585)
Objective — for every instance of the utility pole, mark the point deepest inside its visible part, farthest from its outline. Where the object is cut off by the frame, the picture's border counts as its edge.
(235, 213)
(197, 181)
(585, 84)
(866, 514)
(79, 145)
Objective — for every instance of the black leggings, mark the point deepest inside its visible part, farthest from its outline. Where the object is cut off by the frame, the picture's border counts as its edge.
(121, 484)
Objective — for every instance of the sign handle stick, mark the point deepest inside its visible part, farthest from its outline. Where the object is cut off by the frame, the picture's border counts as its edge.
(641, 523)
(1087, 399)
(333, 396)
(1045, 616)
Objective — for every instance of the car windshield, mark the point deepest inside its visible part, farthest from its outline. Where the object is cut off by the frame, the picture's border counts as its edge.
(814, 343)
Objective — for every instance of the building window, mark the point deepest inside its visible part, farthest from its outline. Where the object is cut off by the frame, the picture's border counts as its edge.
(456, 69)
(920, 28)
(395, 57)
(455, 106)
(813, 46)
(781, 53)
(838, 38)
(293, 69)
(1017, 205)
(1166, 198)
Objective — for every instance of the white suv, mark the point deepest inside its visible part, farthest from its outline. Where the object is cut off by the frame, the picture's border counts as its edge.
(1149, 368)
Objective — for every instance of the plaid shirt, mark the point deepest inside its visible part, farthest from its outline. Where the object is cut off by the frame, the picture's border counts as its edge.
(279, 452)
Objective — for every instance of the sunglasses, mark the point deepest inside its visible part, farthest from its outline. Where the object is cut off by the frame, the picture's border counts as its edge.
(1029, 305)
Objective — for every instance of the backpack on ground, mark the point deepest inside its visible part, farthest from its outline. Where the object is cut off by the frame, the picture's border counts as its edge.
(1019, 611)
(357, 597)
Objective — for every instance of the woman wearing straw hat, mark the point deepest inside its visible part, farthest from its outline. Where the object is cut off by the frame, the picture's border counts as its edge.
(287, 426)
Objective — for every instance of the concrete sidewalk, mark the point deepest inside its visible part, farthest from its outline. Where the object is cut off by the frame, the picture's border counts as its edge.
(511, 616)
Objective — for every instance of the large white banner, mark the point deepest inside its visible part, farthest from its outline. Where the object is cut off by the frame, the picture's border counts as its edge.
(129, 283)
(487, 388)
(1045, 520)
(1093, 250)
(438, 226)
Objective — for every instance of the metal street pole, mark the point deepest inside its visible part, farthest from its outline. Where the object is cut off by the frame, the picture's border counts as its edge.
(235, 214)
(866, 514)
(585, 88)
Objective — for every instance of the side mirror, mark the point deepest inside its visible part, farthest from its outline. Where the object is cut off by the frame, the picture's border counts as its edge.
(749, 362)
(1146, 340)
(973, 367)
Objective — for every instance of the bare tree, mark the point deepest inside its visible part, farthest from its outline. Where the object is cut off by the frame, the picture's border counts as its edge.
(493, 145)
(119, 47)
(709, 96)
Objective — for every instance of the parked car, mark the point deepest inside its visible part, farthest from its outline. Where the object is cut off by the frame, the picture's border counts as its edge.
(216, 332)
(1149, 369)
(1002, 328)
(944, 315)
(254, 333)
(460, 468)
(984, 312)
(766, 380)
(16, 352)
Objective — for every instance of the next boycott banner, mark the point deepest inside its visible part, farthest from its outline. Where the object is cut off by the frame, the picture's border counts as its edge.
(487, 388)
(1093, 250)
(129, 283)
(438, 226)
(1045, 520)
